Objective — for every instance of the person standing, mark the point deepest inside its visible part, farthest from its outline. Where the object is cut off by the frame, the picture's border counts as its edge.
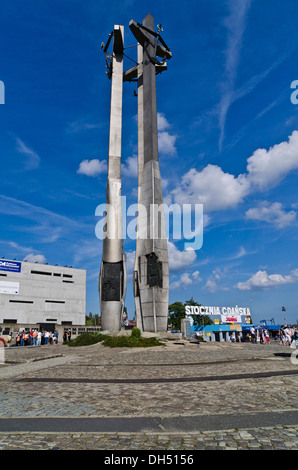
(35, 334)
(65, 336)
(46, 338)
(39, 338)
(55, 337)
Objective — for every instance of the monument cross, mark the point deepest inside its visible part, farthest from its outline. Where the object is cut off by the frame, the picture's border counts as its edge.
(112, 278)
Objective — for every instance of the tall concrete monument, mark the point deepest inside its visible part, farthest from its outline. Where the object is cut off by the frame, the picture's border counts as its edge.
(151, 268)
(112, 278)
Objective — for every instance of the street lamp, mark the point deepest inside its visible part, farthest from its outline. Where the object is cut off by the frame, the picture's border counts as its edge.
(283, 309)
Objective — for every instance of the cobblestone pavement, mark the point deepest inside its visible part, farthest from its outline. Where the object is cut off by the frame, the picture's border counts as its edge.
(271, 438)
(255, 385)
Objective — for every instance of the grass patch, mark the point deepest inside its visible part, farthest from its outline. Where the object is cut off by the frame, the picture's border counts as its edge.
(130, 342)
(133, 341)
(86, 339)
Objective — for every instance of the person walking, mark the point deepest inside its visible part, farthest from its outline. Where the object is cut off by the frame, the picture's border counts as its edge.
(253, 334)
(287, 336)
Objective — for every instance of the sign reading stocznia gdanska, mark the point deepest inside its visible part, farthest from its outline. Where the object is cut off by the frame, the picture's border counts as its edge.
(200, 310)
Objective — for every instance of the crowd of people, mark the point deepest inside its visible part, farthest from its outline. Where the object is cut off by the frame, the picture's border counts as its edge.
(36, 337)
(287, 335)
(259, 335)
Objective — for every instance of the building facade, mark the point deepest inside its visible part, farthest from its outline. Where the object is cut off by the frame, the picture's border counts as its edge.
(40, 294)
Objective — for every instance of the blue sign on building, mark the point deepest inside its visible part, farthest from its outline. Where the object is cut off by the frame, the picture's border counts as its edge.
(11, 266)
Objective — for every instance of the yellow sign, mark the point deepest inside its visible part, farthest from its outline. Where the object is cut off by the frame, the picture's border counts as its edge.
(235, 327)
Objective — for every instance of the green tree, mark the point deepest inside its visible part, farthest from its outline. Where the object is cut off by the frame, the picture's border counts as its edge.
(177, 313)
(91, 319)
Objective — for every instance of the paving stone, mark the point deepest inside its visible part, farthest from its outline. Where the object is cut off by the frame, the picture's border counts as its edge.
(186, 394)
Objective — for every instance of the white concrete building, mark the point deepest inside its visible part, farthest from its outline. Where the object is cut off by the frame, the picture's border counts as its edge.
(39, 294)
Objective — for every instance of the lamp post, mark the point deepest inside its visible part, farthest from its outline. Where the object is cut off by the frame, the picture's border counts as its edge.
(283, 309)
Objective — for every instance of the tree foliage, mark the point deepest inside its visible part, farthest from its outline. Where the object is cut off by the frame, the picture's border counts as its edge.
(177, 313)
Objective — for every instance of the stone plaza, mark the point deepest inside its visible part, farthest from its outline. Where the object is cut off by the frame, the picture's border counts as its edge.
(180, 396)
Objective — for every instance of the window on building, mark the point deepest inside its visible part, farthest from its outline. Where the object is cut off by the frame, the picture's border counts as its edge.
(44, 273)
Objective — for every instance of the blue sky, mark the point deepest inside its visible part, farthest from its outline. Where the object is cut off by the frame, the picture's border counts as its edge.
(228, 139)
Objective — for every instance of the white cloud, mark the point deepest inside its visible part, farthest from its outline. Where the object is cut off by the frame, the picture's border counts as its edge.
(212, 281)
(262, 280)
(272, 213)
(130, 262)
(130, 167)
(164, 183)
(80, 125)
(218, 190)
(186, 279)
(162, 122)
(166, 141)
(18, 247)
(212, 187)
(32, 258)
(179, 260)
(235, 24)
(267, 168)
(45, 225)
(32, 159)
(92, 167)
